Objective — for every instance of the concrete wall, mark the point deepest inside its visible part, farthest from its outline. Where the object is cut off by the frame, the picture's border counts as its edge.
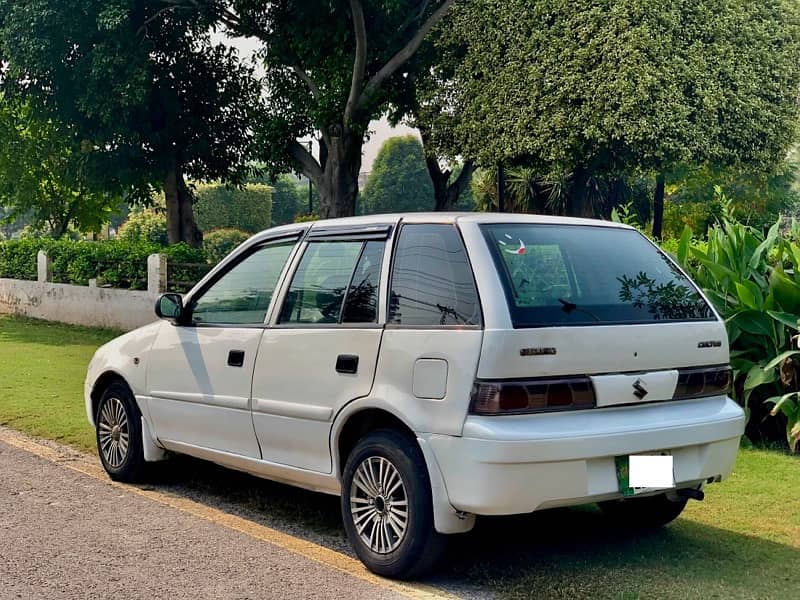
(77, 305)
(81, 305)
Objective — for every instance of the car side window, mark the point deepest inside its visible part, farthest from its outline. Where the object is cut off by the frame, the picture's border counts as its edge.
(361, 305)
(432, 283)
(336, 282)
(242, 295)
(320, 283)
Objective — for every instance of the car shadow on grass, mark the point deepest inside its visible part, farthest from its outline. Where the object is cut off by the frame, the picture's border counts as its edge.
(559, 553)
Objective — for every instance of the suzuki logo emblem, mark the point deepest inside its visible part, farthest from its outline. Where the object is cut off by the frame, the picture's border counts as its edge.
(639, 389)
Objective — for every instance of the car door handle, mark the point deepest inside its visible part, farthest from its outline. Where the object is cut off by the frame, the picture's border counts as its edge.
(347, 363)
(236, 358)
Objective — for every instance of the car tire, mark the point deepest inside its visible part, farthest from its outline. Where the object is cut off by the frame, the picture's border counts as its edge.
(118, 429)
(648, 512)
(390, 541)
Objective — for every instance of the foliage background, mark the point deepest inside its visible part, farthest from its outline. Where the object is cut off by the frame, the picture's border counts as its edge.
(247, 209)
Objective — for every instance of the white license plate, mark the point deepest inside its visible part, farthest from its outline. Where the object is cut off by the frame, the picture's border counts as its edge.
(651, 472)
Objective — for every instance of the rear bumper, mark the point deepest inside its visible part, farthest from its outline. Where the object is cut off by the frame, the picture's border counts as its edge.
(512, 465)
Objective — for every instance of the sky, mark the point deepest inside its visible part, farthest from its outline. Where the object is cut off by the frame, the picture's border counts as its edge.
(380, 130)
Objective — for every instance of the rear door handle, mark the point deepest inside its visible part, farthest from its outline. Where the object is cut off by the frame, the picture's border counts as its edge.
(236, 358)
(347, 363)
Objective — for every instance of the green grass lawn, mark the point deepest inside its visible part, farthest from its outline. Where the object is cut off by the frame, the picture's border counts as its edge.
(42, 369)
(743, 541)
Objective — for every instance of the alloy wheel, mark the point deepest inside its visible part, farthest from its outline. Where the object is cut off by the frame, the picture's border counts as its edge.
(379, 505)
(113, 432)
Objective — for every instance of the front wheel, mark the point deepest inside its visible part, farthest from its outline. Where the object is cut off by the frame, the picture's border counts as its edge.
(119, 433)
(648, 512)
(387, 507)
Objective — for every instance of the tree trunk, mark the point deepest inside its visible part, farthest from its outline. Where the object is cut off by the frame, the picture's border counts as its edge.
(439, 179)
(445, 194)
(181, 226)
(338, 187)
(577, 202)
(658, 207)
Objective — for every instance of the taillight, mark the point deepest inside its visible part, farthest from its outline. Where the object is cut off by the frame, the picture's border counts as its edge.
(531, 396)
(702, 382)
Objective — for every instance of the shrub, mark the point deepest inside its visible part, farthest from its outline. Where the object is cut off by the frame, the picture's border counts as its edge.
(115, 263)
(145, 225)
(218, 243)
(220, 207)
(18, 258)
(305, 218)
(742, 271)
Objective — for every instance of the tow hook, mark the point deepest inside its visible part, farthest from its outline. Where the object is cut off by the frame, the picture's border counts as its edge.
(691, 494)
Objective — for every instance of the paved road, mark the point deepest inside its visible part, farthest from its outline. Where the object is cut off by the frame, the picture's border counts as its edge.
(64, 534)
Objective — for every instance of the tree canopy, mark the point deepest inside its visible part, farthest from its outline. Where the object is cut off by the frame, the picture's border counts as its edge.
(151, 97)
(331, 67)
(43, 175)
(399, 180)
(582, 87)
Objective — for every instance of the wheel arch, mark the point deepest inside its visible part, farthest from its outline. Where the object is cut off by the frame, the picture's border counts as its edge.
(357, 423)
(101, 384)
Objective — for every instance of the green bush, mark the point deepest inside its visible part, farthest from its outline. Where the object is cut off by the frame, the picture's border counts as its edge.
(185, 266)
(18, 258)
(145, 225)
(218, 243)
(114, 263)
(306, 218)
(220, 207)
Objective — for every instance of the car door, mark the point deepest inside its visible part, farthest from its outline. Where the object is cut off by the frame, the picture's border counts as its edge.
(200, 374)
(322, 350)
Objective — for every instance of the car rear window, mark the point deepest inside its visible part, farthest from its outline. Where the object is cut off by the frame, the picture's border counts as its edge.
(584, 275)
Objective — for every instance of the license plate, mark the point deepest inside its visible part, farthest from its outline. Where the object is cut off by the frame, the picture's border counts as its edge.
(658, 473)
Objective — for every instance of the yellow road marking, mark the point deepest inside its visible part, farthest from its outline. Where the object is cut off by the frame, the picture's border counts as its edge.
(310, 550)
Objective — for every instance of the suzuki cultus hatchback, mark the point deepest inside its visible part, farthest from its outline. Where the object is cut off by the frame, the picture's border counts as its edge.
(429, 368)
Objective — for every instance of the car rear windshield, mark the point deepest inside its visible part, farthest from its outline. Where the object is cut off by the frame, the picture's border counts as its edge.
(583, 275)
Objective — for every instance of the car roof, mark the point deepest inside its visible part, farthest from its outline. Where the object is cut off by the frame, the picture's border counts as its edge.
(295, 230)
(444, 217)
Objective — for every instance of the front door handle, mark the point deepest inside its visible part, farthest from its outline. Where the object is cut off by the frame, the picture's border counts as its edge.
(236, 358)
(347, 363)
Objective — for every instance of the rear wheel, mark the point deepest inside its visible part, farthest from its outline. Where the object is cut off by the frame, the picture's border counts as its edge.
(387, 507)
(649, 512)
(119, 433)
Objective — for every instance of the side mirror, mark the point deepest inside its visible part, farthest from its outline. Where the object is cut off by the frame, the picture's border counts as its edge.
(169, 306)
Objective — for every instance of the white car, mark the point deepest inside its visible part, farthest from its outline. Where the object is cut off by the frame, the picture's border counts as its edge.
(429, 368)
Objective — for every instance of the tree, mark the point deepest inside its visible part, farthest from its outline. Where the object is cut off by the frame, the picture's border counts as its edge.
(585, 91)
(331, 67)
(399, 179)
(151, 97)
(427, 105)
(42, 175)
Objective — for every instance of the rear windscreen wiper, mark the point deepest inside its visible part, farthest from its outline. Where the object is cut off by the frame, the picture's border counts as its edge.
(568, 307)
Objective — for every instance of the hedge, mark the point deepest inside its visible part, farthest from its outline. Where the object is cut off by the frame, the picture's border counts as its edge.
(113, 263)
(220, 207)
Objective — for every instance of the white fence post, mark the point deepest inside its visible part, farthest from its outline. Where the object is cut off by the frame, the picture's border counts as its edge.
(44, 267)
(157, 273)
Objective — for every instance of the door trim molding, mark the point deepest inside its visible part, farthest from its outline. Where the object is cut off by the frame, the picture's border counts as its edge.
(235, 402)
(279, 408)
